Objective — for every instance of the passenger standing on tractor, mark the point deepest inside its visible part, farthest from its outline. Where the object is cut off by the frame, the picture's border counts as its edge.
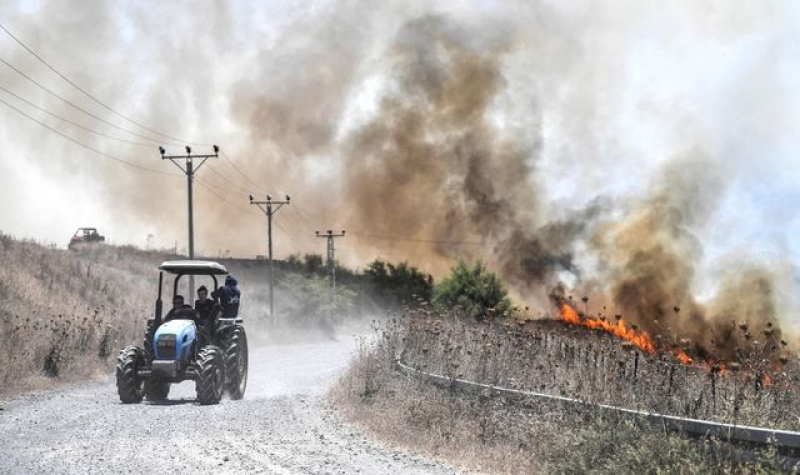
(229, 297)
(206, 312)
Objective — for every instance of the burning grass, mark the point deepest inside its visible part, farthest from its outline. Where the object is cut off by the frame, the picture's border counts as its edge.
(560, 358)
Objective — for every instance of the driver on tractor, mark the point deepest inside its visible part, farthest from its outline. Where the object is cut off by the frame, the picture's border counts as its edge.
(180, 311)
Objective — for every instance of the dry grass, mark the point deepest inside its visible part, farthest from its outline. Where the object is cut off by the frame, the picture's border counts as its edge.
(64, 315)
(488, 434)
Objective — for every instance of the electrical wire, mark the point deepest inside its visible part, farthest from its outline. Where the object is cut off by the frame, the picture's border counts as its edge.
(75, 106)
(75, 124)
(208, 185)
(384, 237)
(90, 96)
(88, 147)
(225, 156)
(249, 191)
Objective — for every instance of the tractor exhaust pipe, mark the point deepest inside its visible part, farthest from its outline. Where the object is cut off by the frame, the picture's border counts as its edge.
(159, 303)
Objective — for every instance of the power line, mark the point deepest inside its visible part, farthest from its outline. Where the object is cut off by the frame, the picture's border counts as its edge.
(63, 119)
(219, 188)
(225, 156)
(87, 94)
(88, 147)
(94, 116)
(205, 185)
(416, 240)
(226, 179)
(303, 219)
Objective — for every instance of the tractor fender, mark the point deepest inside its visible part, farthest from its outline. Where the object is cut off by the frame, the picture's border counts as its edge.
(182, 332)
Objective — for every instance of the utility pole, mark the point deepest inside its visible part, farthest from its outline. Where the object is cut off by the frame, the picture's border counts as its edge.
(189, 169)
(330, 236)
(267, 208)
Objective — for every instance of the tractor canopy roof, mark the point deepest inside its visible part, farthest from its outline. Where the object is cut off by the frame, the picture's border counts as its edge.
(187, 267)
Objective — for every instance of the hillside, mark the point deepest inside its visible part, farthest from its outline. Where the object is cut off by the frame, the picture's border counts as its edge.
(64, 315)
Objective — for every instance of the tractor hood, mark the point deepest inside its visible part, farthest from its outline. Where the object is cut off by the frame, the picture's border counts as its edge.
(173, 339)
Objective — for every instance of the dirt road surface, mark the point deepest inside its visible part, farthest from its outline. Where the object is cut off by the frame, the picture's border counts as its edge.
(283, 426)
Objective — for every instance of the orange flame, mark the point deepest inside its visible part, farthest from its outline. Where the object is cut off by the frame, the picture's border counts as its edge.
(639, 338)
(683, 357)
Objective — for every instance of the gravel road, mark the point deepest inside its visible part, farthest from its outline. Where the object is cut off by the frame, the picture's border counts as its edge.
(283, 426)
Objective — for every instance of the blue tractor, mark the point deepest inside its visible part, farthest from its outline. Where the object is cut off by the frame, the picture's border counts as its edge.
(213, 353)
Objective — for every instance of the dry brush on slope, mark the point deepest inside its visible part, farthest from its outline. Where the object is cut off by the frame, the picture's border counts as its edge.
(486, 432)
(64, 315)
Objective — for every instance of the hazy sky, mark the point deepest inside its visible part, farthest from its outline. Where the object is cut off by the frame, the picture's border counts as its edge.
(617, 87)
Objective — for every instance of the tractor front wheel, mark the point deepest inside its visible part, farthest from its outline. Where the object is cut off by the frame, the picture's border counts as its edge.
(156, 390)
(210, 374)
(129, 386)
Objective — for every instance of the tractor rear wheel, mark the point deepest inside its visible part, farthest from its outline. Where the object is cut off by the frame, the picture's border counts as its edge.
(129, 386)
(156, 390)
(236, 362)
(210, 374)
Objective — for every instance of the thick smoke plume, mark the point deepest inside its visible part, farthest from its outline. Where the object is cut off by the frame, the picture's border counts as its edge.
(430, 165)
(523, 135)
(651, 259)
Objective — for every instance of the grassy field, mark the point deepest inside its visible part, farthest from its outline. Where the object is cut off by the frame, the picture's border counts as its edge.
(489, 434)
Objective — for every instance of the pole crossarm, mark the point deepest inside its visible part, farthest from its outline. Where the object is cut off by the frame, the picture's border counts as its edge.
(269, 206)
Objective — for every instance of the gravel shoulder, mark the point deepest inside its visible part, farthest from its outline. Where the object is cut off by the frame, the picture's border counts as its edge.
(283, 426)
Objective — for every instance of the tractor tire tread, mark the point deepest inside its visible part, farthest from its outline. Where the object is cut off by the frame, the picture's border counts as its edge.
(209, 384)
(235, 348)
(129, 389)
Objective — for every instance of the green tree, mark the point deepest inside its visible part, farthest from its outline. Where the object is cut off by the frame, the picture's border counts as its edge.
(309, 299)
(394, 285)
(313, 264)
(474, 291)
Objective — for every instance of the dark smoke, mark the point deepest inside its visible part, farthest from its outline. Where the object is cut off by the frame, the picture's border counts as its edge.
(652, 257)
(431, 165)
(439, 160)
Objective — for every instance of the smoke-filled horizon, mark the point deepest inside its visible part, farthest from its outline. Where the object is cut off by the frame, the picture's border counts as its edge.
(638, 152)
